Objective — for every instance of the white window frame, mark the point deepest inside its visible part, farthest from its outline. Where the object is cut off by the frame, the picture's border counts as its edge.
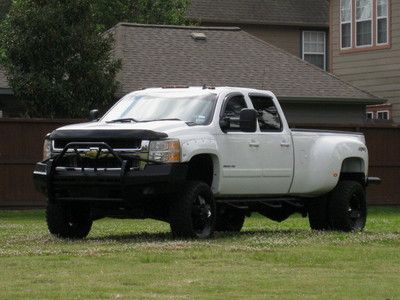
(383, 111)
(314, 53)
(348, 22)
(387, 23)
(371, 19)
(370, 113)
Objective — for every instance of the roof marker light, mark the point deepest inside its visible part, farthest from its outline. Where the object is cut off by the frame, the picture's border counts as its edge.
(198, 36)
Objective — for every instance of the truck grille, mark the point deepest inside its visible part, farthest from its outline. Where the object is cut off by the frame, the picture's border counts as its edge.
(135, 144)
(107, 162)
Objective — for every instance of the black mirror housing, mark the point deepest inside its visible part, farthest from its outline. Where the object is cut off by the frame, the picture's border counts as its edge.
(93, 114)
(248, 120)
(224, 123)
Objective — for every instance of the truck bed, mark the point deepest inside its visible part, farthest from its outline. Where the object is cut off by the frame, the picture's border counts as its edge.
(325, 131)
(317, 153)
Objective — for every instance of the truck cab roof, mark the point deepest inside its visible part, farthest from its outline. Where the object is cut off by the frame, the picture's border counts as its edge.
(197, 90)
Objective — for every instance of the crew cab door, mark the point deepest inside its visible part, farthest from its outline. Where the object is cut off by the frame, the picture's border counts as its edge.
(276, 145)
(240, 151)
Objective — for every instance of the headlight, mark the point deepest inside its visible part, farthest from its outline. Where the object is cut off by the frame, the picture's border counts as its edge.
(46, 149)
(166, 151)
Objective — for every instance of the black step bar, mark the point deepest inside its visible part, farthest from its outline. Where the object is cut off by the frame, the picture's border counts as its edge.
(373, 180)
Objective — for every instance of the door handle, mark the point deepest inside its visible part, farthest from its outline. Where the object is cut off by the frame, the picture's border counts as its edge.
(285, 144)
(254, 144)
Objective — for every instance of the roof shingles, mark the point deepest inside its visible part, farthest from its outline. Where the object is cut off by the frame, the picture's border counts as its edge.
(267, 12)
(168, 55)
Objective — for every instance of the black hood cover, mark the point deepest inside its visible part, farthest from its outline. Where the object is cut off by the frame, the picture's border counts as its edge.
(102, 135)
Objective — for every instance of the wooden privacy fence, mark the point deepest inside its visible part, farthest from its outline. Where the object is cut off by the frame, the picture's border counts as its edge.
(22, 140)
(21, 146)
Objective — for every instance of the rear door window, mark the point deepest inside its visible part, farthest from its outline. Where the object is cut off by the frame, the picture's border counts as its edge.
(268, 116)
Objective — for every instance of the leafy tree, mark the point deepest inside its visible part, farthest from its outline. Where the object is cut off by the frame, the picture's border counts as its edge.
(108, 13)
(55, 53)
(57, 62)
(160, 12)
(4, 8)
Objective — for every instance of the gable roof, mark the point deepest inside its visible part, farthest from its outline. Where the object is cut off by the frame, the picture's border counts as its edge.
(159, 55)
(313, 13)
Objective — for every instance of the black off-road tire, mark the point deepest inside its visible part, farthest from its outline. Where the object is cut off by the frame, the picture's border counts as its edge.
(347, 207)
(317, 210)
(189, 216)
(68, 221)
(229, 219)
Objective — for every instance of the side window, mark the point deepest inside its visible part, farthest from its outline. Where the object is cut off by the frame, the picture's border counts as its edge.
(232, 111)
(268, 116)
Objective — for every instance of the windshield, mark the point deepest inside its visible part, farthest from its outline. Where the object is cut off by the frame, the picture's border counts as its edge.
(196, 109)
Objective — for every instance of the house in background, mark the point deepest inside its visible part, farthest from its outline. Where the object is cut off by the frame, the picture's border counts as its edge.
(379, 113)
(159, 55)
(299, 27)
(365, 50)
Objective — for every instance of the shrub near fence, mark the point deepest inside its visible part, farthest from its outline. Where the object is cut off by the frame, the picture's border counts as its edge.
(22, 142)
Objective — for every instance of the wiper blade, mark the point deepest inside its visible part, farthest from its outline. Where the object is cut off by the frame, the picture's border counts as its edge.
(189, 123)
(123, 120)
(170, 119)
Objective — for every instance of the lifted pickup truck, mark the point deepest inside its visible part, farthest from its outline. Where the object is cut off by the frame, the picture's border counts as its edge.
(201, 159)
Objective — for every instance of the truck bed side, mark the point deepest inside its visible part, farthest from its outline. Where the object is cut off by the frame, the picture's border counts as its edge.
(321, 156)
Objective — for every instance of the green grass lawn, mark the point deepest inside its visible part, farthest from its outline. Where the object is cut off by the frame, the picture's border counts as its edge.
(137, 259)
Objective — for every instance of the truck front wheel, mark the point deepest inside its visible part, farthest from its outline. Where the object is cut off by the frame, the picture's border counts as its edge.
(67, 221)
(192, 211)
(347, 208)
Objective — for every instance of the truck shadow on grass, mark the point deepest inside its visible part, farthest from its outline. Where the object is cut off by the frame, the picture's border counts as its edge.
(250, 239)
(134, 237)
(167, 236)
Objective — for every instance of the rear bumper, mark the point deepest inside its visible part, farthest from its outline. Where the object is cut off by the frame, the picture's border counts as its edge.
(124, 184)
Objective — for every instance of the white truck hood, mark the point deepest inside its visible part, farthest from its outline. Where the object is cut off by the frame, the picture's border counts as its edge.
(168, 127)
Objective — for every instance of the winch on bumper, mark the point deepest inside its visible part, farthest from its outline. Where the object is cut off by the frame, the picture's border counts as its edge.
(123, 182)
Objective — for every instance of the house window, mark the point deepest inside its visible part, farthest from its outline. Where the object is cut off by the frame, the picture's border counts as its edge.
(382, 22)
(364, 24)
(382, 115)
(345, 22)
(314, 48)
(370, 115)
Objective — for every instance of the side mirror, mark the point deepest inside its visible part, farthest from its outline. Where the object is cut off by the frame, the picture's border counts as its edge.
(224, 123)
(93, 114)
(248, 120)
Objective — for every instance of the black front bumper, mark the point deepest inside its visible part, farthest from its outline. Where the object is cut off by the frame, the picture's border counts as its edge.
(126, 183)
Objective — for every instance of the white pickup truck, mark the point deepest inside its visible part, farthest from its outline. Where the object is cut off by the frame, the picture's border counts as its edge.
(201, 159)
